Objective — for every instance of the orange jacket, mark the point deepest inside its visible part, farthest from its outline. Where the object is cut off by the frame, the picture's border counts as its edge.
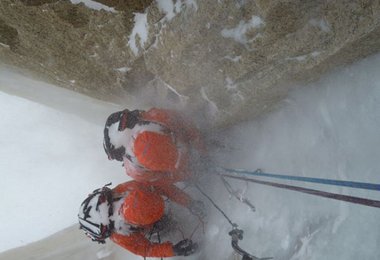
(172, 192)
(163, 157)
(136, 241)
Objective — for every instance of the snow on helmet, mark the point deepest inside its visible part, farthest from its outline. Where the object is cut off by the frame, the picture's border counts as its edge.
(143, 208)
(123, 119)
(94, 214)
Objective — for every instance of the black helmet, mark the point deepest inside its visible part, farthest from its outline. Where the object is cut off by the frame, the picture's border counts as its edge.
(94, 214)
(124, 119)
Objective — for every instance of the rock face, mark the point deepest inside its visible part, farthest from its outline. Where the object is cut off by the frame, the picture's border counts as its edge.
(230, 60)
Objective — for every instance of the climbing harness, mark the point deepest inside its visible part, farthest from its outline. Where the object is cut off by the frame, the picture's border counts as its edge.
(236, 233)
(346, 198)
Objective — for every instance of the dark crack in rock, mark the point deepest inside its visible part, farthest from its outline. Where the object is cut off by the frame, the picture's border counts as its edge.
(8, 35)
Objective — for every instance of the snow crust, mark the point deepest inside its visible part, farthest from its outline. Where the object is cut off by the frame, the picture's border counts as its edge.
(139, 34)
(94, 5)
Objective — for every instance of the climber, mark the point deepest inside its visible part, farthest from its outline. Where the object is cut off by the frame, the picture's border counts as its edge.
(156, 146)
(130, 213)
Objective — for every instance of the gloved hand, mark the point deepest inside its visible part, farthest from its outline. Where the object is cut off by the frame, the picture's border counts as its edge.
(198, 208)
(185, 247)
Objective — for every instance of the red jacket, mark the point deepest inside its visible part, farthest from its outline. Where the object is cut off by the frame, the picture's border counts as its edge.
(135, 240)
(159, 152)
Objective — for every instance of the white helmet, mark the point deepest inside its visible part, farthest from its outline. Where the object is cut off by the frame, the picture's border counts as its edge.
(122, 120)
(94, 214)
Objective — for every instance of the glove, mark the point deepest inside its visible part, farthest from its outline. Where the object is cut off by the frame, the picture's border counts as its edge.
(198, 208)
(185, 247)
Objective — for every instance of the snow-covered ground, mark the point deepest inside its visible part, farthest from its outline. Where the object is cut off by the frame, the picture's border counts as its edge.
(330, 129)
(52, 156)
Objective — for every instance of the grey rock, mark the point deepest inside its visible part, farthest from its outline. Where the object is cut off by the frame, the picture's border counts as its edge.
(226, 60)
(239, 76)
(70, 45)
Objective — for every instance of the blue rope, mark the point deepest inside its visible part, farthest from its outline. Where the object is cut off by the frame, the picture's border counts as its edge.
(346, 198)
(351, 184)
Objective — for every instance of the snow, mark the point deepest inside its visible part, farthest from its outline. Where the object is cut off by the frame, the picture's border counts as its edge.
(4, 45)
(182, 98)
(304, 57)
(329, 129)
(168, 8)
(51, 157)
(213, 108)
(123, 69)
(94, 5)
(230, 84)
(238, 33)
(171, 9)
(192, 3)
(232, 88)
(139, 34)
(231, 58)
(322, 24)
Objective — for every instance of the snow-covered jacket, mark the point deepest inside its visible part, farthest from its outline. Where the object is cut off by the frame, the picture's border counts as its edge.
(157, 145)
(134, 236)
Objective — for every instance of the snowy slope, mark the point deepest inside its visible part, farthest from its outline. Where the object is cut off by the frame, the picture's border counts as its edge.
(50, 157)
(329, 129)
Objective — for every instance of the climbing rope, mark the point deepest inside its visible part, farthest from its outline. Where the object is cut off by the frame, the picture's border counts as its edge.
(236, 234)
(216, 206)
(351, 184)
(237, 195)
(351, 199)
